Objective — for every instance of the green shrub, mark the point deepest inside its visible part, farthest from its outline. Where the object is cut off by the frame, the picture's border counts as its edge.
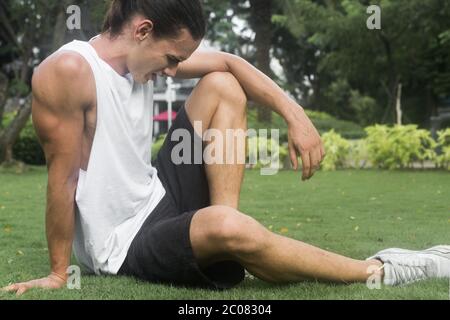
(386, 147)
(399, 146)
(443, 160)
(346, 129)
(255, 144)
(358, 154)
(27, 147)
(28, 150)
(337, 150)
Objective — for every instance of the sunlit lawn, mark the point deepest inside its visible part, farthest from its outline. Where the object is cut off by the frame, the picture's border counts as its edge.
(355, 213)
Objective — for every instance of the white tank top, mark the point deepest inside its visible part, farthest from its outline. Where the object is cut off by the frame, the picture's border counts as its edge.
(120, 187)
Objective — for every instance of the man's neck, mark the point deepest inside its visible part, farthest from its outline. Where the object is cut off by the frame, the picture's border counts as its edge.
(112, 51)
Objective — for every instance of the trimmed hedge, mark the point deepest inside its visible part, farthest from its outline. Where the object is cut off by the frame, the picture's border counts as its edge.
(321, 120)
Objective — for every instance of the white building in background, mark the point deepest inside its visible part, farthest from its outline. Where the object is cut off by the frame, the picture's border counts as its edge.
(164, 101)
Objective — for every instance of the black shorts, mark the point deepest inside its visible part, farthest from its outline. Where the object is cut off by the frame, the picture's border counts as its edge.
(161, 252)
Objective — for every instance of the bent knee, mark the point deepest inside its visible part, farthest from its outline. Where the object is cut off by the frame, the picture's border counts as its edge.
(226, 86)
(232, 231)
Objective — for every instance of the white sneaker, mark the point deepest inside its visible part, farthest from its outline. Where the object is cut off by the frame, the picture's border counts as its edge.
(406, 266)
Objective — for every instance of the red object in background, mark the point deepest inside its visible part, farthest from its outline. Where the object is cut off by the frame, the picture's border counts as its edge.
(164, 116)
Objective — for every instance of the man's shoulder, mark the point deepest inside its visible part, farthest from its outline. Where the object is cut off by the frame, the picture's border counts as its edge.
(64, 75)
(63, 67)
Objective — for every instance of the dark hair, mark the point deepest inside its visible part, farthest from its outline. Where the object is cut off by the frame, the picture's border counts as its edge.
(168, 16)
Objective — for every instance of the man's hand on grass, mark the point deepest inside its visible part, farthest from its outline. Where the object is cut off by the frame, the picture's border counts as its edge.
(304, 141)
(53, 281)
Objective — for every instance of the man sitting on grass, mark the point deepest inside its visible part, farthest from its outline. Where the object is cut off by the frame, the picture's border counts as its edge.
(167, 222)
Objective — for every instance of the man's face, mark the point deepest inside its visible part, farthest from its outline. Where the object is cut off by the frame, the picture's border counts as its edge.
(151, 56)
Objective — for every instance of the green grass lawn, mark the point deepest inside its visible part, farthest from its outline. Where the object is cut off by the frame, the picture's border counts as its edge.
(355, 213)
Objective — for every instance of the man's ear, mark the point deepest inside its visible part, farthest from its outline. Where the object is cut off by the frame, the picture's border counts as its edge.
(143, 30)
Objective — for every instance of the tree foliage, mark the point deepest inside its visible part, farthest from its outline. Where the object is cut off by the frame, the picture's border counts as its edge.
(347, 60)
(30, 30)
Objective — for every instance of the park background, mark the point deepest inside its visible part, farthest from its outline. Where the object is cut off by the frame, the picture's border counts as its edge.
(379, 97)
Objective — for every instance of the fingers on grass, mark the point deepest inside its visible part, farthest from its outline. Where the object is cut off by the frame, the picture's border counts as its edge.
(9, 288)
(22, 289)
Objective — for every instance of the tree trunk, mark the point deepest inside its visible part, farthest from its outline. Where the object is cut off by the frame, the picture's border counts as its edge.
(431, 104)
(398, 105)
(26, 69)
(59, 33)
(393, 80)
(316, 99)
(3, 94)
(261, 22)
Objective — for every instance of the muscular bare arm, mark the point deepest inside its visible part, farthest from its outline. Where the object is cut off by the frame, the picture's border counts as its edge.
(304, 139)
(63, 89)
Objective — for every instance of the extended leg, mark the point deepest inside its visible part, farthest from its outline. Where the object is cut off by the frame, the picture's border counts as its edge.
(222, 233)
